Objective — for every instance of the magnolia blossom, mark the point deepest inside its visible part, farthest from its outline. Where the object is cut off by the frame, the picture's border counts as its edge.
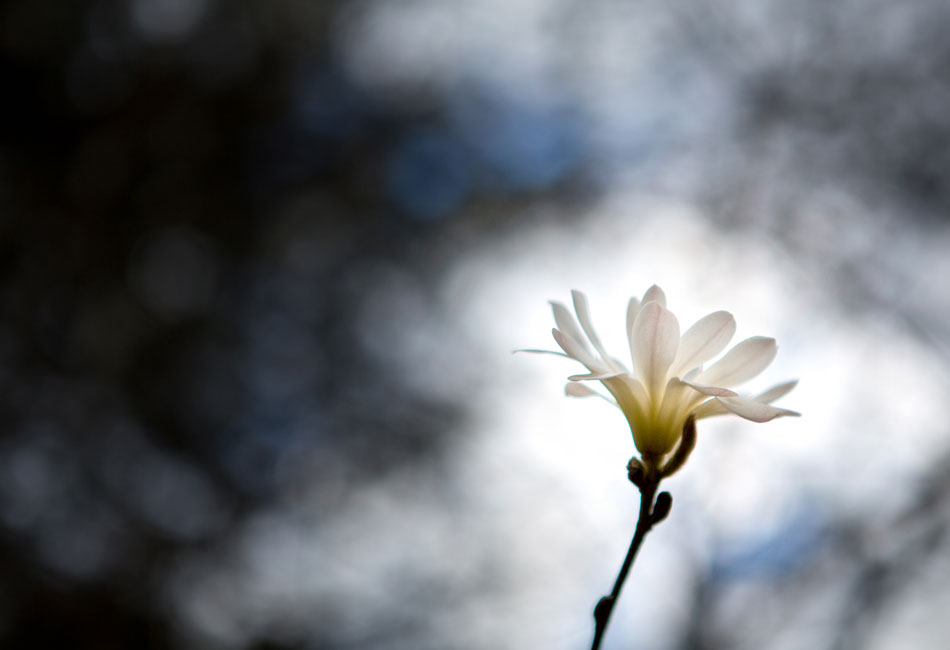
(669, 381)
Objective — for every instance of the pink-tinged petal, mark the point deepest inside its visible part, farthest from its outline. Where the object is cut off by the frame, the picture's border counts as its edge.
(574, 389)
(655, 338)
(704, 340)
(583, 315)
(566, 323)
(654, 294)
(743, 362)
(753, 410)
(577, 351)
(709, 408)
(712, 391)
(776, 392)
(606, 374)
(580, 390)
(633, 308)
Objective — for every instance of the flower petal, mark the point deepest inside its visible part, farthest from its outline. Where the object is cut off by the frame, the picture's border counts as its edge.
(577, 351)
(753, 410)
(617, 364)
(655, 338)
(692, 374)
(633, 308)
(533, 351)
(709, 408)
(583, 315)
(572, 389)
(714, 407)
(704, 340)
(712, 391)
(775, 392)
(634, 387)
(566, 323)
(743, 362)
(606, 374)
(654, 294)
(578, 390)
(632, 399)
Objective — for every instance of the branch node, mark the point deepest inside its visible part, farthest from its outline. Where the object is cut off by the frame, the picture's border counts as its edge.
(636, 472)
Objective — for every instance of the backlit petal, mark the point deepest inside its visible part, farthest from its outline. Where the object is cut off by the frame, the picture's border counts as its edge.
(751, 409)
(655, 338)
(533, 351)
(654, 294)
(575, 350)
(709, 408)
(776, 392)
(605, 374)
(632, 399)
(704, 340)
(712, 391)
(743, 362)
(573, 389)
(633, 308)
(583, 315)
(566, 323)
(633, 388)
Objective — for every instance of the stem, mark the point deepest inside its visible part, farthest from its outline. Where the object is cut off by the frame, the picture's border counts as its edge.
(645, 521)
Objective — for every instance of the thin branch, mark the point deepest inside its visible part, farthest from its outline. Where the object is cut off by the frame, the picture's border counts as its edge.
(650, 515)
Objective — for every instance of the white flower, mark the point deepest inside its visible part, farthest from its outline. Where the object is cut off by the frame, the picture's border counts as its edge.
(668, 382)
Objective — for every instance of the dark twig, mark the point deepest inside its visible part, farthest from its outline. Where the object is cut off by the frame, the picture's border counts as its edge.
(650, 515)
(646, 476)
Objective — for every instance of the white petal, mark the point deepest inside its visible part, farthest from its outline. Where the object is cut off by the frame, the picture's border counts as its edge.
(751, 409)
(655, 338)
(605, 374)
(692, 374)
(703, 341)
(631, 398)
(709, 408)
(583, 315)
(775, 392)
(675, 400)
(714, 407)
(532, 351)
(654, 294)
(572, 389)
(743, 362)
(712, 391)
(577, 351)
(633, 308)
(631, 387)
(578, 390)
(617, 364)
(566, 323)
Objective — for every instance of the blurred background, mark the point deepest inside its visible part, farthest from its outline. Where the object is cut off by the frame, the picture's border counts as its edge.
(263, 264)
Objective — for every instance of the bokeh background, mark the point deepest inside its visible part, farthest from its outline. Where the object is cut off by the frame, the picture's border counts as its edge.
(263, 265)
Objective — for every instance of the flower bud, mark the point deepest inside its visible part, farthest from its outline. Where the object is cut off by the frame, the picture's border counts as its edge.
(686, 445)
(664, 501)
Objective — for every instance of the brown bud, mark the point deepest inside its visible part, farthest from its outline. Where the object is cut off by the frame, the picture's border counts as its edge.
(664, 501)
(683, 450)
